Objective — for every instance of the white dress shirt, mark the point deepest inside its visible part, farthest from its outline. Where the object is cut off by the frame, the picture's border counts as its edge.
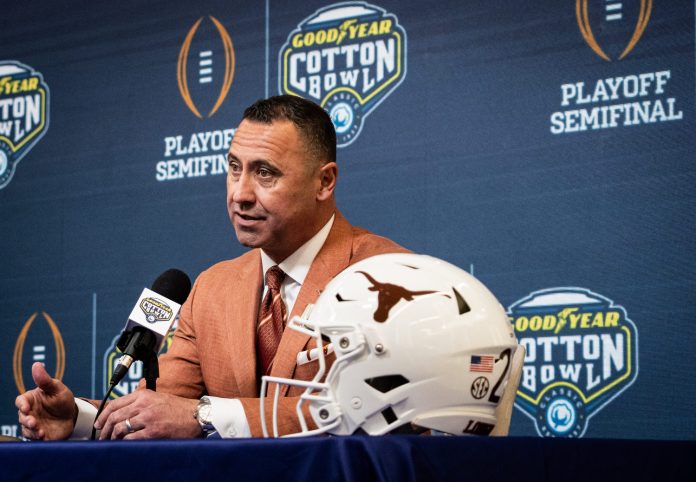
(227, 414)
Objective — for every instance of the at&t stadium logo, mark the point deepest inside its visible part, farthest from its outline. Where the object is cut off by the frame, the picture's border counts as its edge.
(23, 114)
(612, 18)
(347, 57)
(581, 353)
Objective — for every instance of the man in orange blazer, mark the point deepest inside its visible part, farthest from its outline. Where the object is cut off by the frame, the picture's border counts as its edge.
(280, 198)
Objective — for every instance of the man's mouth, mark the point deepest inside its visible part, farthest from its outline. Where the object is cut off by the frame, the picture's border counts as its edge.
(247, 219)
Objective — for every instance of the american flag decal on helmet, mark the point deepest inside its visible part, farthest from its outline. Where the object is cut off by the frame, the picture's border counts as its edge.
(482, 363)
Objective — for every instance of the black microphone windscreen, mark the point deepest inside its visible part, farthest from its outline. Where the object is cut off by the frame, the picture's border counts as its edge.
(174, 284)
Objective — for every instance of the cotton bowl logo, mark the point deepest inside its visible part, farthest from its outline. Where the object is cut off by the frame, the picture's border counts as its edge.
(615, 17)
(581, 353)
(347, 57)
(23, 114)
(212, 77)
(156, 310)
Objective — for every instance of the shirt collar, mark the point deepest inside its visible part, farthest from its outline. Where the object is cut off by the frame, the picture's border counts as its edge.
(296, 266)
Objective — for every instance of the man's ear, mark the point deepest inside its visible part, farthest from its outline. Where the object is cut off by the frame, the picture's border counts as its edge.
(327, 176)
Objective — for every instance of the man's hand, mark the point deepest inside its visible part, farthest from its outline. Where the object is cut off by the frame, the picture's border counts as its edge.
(47, 412)
(151, 415)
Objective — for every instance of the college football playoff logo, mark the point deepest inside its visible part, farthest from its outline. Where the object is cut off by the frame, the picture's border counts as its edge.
(36, 336)
(209, 82)
(612, 18)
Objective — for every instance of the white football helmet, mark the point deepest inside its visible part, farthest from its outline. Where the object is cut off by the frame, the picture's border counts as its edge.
(418, 342)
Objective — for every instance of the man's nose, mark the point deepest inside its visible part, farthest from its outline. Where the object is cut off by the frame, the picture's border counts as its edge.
(243, 190)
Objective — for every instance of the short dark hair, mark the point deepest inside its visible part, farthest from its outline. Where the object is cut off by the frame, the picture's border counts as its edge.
(310, 119)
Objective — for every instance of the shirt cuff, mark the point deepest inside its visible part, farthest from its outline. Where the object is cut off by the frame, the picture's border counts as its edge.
(86, 413)
(228, 417)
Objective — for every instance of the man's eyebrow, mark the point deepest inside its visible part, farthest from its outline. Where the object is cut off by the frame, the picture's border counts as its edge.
(255, 164)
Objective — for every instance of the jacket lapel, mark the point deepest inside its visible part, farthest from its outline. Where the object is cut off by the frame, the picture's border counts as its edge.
(333, 258)
(241, 307)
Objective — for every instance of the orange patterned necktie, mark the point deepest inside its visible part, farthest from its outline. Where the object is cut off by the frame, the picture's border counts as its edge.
(271, 319)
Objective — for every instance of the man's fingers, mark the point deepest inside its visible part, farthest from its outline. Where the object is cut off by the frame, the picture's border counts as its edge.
(119, 431)
(139, 435)
(108, 427)
(111, 407)
(28, 421)
(122, 430)
(23, 403)
(32, 434)
(114, 426)
(41, 377)
(113, 429)
(151, 415)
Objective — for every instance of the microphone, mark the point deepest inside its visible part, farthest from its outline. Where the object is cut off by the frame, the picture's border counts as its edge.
(150, 320)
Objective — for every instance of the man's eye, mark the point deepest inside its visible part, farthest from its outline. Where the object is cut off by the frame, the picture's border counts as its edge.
(235, 167)
(264, 173)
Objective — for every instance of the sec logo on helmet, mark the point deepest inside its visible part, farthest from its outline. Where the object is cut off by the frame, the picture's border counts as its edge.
(581, 353)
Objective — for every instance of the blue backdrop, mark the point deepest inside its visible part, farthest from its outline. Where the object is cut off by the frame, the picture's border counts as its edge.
(546, 146)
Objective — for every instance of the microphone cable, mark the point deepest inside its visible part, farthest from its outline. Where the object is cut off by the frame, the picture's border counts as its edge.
(101, 408)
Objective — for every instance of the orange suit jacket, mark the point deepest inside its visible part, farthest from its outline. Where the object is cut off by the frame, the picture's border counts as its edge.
(213, 351)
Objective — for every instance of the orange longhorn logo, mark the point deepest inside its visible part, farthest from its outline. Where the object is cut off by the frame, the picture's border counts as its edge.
(389, 295)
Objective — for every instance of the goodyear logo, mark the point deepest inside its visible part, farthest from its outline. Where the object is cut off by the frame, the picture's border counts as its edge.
(46, 346)
(213, 67)
(156, 310)
(347, 57)
(23, 114)
(612, 19)
(581, 353)
(130, 382)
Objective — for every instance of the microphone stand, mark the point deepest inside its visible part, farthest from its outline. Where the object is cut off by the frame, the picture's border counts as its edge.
(151, 370)
(140, 343)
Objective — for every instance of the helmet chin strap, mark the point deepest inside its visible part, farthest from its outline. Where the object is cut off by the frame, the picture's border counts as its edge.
(408, 429)
(458, 420)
